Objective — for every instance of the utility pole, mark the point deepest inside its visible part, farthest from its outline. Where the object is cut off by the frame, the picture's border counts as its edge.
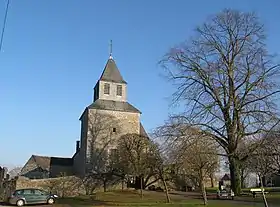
(4, 25)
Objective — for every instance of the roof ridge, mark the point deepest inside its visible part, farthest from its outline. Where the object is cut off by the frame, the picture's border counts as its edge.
(113, 105)
(40, 155)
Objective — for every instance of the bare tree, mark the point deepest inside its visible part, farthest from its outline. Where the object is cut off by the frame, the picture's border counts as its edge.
(244, 172)
(163, 166)
(136, 156)
(265, 160)
(273, 146)
(263, 165)
(103, 131)
(228, 81)
(200, 158)
(204, 162)
(192, 150)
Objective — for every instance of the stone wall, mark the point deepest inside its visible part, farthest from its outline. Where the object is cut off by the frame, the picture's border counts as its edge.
(128, 121)
(113, 91)
(4, 176)
(123, 122)
(80, 156)
(104, 127)
(62, 186)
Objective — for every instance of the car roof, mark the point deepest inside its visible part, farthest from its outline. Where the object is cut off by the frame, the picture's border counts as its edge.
(28, 189)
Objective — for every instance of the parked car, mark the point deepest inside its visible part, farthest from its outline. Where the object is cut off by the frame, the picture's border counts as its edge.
(225, 194)
(31, 196)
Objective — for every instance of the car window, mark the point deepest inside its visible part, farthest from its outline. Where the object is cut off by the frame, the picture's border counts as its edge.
(40, 192)
(37, 192)
(18, 192)
(44, 192)
(28, 191)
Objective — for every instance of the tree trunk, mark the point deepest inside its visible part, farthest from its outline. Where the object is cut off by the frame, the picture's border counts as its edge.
(212, 180)
(166, 190)
(263, 194)
(203, 191)
(263, 181)
(202, 187)
(122, 184)
(242, 177)
(235, 175)
(105, 185)
(141, 187)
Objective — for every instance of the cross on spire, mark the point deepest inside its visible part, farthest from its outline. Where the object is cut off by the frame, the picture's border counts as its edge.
(111, 49)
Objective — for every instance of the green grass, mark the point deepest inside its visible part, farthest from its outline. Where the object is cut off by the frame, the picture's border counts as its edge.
(153, 199)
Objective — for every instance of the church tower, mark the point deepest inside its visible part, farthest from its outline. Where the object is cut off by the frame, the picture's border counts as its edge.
(109, 112)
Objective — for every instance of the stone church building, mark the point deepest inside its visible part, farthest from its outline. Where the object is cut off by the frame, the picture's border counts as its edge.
(108, 117)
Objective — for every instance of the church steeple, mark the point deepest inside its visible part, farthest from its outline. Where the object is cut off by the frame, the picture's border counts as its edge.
(111, 85)
(111, 72)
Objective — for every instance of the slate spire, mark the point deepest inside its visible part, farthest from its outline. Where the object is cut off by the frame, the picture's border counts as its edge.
(111, 72)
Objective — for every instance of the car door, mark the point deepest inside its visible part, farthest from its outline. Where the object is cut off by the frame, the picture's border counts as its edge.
(28, 194)
(40, 196)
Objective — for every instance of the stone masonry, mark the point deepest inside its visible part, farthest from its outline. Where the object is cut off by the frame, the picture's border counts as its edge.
(110, 100)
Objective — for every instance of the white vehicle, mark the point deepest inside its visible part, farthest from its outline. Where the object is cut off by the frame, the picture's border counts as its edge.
(225, 194)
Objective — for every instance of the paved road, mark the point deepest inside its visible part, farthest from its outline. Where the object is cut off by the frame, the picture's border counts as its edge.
(5, 205)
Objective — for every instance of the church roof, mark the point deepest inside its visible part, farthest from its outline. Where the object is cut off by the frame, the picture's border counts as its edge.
(226, 177)
(42, 161)
(45, 162)
(113, 105)
(111, 73)
(143, 131)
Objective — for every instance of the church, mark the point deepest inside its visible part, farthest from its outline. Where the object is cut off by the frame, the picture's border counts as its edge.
(108, 117)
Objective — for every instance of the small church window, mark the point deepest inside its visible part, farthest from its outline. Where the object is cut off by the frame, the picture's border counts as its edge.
(107, 88)
(114, 129)
(119, 90)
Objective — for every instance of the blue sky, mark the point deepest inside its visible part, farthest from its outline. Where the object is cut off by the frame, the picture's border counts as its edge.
(54, 52)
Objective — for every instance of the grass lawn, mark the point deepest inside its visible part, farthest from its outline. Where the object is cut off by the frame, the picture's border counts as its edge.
(153, 199)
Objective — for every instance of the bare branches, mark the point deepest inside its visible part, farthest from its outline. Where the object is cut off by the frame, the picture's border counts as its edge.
(227, 79)
(100, 144)
(137, 158)
(135, 153)
(224, 73)
(190, 150)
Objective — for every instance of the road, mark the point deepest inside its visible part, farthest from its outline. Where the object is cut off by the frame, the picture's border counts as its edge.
(55, 205)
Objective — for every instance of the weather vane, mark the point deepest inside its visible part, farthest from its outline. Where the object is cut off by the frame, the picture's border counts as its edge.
(111, 49)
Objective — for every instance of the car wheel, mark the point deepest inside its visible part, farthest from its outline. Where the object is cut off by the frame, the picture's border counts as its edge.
(50, 201)
(20, 203)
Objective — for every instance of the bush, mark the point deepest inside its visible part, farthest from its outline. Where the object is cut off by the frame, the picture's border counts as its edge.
(159, 189)
(152, 188)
